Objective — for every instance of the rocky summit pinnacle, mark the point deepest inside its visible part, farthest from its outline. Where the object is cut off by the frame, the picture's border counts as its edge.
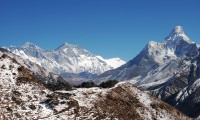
(177, 34)
(66, 45)
(178, 30)
(27, 44)
(30, 45)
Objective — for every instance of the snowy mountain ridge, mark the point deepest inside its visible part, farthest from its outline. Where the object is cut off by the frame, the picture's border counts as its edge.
(114, 62)
(66, 59)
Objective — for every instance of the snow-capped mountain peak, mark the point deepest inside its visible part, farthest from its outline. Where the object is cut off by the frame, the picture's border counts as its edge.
(155, 57)
(178, 30)
(176, 43)
(176, 35)
(72, 50)
(30, 45)
(66, 45)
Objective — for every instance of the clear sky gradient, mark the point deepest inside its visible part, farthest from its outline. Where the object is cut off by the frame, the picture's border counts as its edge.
(110, 28)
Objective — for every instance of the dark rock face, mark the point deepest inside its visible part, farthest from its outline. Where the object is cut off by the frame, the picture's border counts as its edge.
(182, 91)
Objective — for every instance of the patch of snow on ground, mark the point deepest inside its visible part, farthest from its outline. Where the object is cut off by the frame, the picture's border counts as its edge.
(8, 72)
(87, 96)
(145, 99)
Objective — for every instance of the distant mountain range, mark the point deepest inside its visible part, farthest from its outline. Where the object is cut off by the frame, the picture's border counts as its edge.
(169, 70)
(69, 61)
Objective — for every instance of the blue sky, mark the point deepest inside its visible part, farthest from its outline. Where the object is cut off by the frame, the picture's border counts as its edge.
(110, 28)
